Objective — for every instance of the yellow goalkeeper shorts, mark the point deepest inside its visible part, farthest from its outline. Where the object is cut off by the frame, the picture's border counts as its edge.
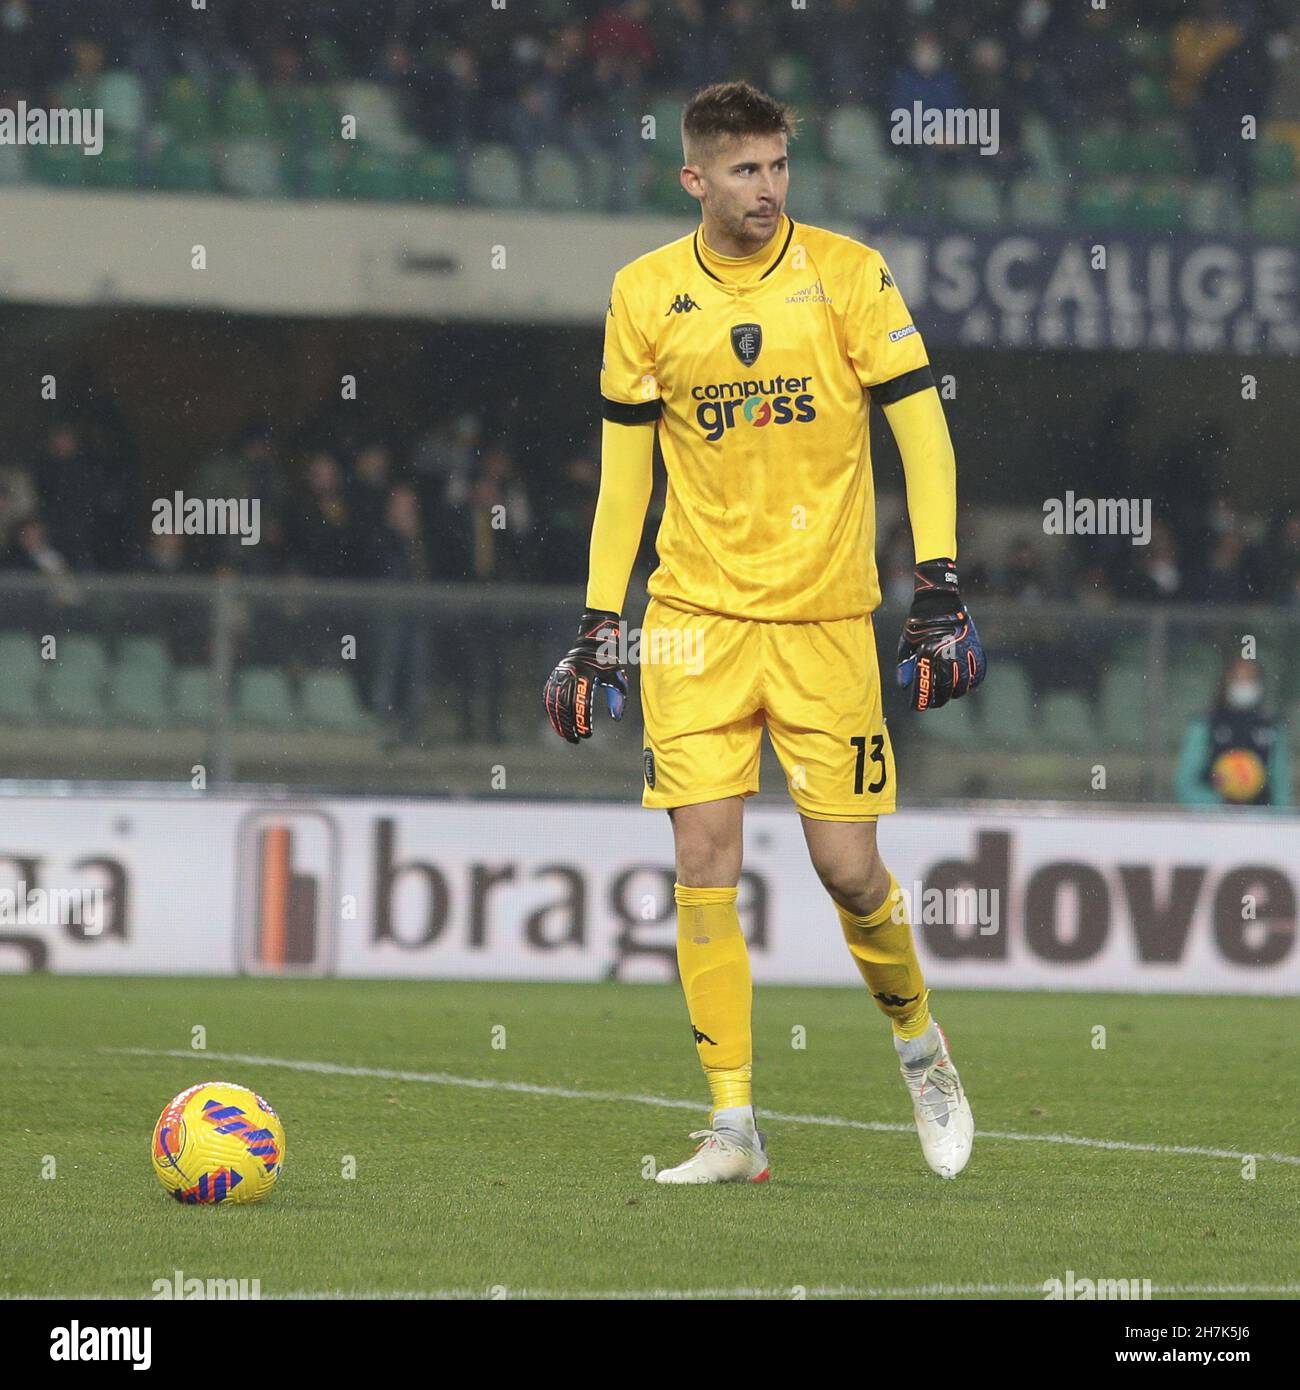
(710, 683)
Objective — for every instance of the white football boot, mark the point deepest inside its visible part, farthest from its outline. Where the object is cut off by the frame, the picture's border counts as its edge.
(724, 1155)
(943, 1115)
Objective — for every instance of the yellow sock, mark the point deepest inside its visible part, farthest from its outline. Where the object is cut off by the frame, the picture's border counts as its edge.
(714, 964)
(881, 943)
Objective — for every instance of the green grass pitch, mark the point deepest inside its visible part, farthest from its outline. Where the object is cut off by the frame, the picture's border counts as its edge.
(474, 1188)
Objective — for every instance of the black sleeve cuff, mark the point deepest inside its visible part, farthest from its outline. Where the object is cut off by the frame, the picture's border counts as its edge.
(903, 386)
(619, 413)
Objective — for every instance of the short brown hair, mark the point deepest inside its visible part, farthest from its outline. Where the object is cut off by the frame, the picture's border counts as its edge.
(734, 109)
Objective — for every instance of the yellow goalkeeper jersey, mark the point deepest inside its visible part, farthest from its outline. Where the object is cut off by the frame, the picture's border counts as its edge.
(757, 370)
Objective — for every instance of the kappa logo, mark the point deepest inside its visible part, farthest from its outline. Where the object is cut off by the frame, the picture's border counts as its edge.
(895, 1001)
(683, 304)
(886, 280)
(702, 1037)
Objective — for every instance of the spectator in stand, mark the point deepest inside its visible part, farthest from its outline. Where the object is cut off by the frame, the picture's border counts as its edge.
(1224, 578)
(569, 513)
(988, 85)
(853, 52)
(67, 479)
(369, 490)
(927, 78)
(1022, 574)
(32, 552)
(621, 31)
(321, 540)
(1206, 68)
(251, 469)
(404, 659)
(1237, 755)
(164, 554)
(1156, 573)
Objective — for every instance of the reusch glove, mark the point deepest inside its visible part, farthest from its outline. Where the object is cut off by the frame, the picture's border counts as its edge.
(592, 662)
(939, 654)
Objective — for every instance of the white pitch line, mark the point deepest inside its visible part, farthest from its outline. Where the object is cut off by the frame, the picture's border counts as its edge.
(438, 1078)
(645, 1295)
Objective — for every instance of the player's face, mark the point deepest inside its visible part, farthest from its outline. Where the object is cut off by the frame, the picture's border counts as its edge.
(742, 187)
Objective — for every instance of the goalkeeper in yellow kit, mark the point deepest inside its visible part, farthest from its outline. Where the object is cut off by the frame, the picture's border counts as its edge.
(754, 347)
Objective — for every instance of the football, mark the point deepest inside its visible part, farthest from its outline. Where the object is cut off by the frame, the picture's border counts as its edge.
(218, 1142)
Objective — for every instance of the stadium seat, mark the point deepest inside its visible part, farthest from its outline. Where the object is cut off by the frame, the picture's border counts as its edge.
(138, 694)
(1042, 148)
(305, 113)
(855, 194)
(20, 660)
(809, 194)
(1103, 151)
(329, 701)
(246, 111)
(1105, 205)
(557, 182)
(1068, 721)
(431, 177)
(185, 113)
(854, 138)
(1124, 707)
(1007, 690)
(973, 199)
(1275, 215)
(117, 166)
(494, 177)
(252, 168)
(1273, 161)
(63, 166)
(12, 165)
(1209, 208)
(121, 95)
(185, 169)
(144, 651)
(265, 699)
(76, 688)
(379, 121)
(1160, 207)
(917, 196)
(321, 174)
(1038, 202)
(375, 176)
(959, 722)
(192, 695)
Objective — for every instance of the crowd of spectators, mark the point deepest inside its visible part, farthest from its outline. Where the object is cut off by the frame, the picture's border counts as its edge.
(579, 75)
(454, 505)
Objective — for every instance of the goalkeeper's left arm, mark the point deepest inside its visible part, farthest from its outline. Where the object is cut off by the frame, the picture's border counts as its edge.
(939, 654)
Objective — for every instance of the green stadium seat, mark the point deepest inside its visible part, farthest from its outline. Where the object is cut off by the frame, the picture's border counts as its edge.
(246, 111)
(144, 651)
(252, 168)
(1273, 161)
(431, 177)
(375, 177)
(265, 699)
(791, 77)
(117, 165)
(329, 701)
(916, 196)
(1274, 215)
(959, 722)
(973, 200)
(853, 138)
(1124, 707)
(185, 169)
(321, 175)
(20, 660)
(1209, 208)
(1160, 207)
(380, 126)
(76, 681)
(1042, 148)
(1104, 151)
(494, 177)
(856, 194)
(325, 58)
(1007, 689)
(1068, 721)
(665, 193)
(12, 165)
(61, 166)
(121, 95)
(1105, 205)
(185, 113)
(138, 694)
(1150, 95)
(1038, 202)
(809, 194)
(557, 181)
(192, 696)
(1160, 154)
(305, 113)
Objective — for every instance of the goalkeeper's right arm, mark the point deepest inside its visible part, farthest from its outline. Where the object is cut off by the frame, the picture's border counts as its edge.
(626, 479)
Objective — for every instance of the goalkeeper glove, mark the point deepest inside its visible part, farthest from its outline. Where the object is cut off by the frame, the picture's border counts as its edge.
(939, 654)
(592, 662)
